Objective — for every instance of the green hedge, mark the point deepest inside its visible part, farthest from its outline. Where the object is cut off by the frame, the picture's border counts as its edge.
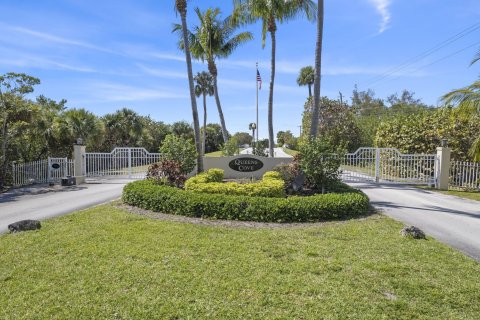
(271, 186)
(146, 195)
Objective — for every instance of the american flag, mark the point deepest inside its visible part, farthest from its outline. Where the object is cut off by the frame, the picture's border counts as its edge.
(259, 79)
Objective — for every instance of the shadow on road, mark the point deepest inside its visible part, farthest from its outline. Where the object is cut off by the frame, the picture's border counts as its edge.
(15, 193)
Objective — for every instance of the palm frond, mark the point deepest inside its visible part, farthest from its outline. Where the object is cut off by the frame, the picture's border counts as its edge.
(474, 151)
(476, 58)
(467, 97)
(234, 42)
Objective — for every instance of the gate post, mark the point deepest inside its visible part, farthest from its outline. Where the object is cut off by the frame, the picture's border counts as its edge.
(442, 168)
(129, 163)
(79, 162)
(377, 165)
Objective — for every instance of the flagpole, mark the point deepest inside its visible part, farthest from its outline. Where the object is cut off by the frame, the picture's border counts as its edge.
(256, 81)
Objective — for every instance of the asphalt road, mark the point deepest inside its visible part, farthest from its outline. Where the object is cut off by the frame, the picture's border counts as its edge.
(449, 219)
(42, 202)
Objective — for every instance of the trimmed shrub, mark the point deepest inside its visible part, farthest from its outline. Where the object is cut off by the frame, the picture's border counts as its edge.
(288, 172)
(320, 161)
(271, 185)
(145, 194)
(177, 148)
(168, 172)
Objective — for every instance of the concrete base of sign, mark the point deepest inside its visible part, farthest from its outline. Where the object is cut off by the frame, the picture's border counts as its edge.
(229, 173)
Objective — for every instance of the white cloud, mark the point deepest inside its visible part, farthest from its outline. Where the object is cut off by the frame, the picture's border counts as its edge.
(47, 37)
(114, 92)
(382, 7)
(162, 73)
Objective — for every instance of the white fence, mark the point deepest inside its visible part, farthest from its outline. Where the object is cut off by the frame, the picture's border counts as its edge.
(388, 165)
(41, 171)
(131, 163)
(465, 175)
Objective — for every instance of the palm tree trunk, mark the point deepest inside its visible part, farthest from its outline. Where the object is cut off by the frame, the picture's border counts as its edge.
(204, 123)
(271, 141)
(220, 112)
(318, 73)
(212, 68)
(309, 89)
(196, 125)
(4, 163)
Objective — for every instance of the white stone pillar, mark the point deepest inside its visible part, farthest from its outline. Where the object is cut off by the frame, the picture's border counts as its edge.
(78, 163)
(442, 168)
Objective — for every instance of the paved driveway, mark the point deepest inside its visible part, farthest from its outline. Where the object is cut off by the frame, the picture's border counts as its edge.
(41, 202)
(278, 152)
(449, 219)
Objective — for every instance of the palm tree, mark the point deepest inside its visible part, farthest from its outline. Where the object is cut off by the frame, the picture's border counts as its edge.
(271, 12)
(181, 7)
(468, 98)
(212, 40)
(204, 86)
(318, 72)
(306, 78)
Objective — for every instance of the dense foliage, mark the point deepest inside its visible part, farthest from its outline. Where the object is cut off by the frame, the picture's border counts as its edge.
(422, 132)
(181, 150)
(167, 172)
(231, 147)
(320, 161)
(272, 185)
(145, 194)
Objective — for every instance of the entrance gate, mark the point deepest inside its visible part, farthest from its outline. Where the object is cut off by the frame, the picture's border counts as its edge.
(388, 165)
(127, 163)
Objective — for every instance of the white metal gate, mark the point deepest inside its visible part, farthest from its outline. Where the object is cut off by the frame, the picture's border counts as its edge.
(127, 163)
(41, 171)
(388, 165)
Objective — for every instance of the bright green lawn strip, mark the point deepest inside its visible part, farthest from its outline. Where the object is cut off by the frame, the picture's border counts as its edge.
(290, 151)
(105, 263)
(472, 195)
(214, 154)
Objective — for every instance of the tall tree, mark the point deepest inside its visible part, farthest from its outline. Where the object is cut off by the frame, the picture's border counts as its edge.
(271, 12)
(13, 88)
(203, 87)
(318, 71)
(306, 78)
(80, 123)
(467, 98)
(211, 40)
(181, 7)
(123, 128)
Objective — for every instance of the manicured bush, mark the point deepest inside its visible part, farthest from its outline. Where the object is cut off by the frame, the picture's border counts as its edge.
(177, 148)
(271, 185)
(145, 194)
(288, 172)
(320, 161)
(168, 172)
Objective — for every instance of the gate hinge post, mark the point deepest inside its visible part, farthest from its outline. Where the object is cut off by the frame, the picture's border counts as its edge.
(377, 165)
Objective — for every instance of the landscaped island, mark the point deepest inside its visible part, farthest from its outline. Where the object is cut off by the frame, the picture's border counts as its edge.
(206, 195)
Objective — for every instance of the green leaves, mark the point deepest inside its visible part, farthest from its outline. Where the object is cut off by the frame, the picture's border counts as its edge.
(146, 195)
(179, 149)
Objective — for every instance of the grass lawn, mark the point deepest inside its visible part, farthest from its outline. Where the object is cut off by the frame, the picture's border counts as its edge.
(214, 154)
(106, 263)
(290, 151)
(472, 195)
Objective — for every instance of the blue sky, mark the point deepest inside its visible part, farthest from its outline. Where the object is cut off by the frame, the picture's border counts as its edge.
(104, 55)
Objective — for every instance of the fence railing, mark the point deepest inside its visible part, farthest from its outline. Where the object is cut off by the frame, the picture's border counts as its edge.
(465, 175)
(131, 163)
(41, 171)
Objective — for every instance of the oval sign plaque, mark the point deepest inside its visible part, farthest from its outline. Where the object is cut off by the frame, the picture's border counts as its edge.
(55, 166)
(245, 164)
